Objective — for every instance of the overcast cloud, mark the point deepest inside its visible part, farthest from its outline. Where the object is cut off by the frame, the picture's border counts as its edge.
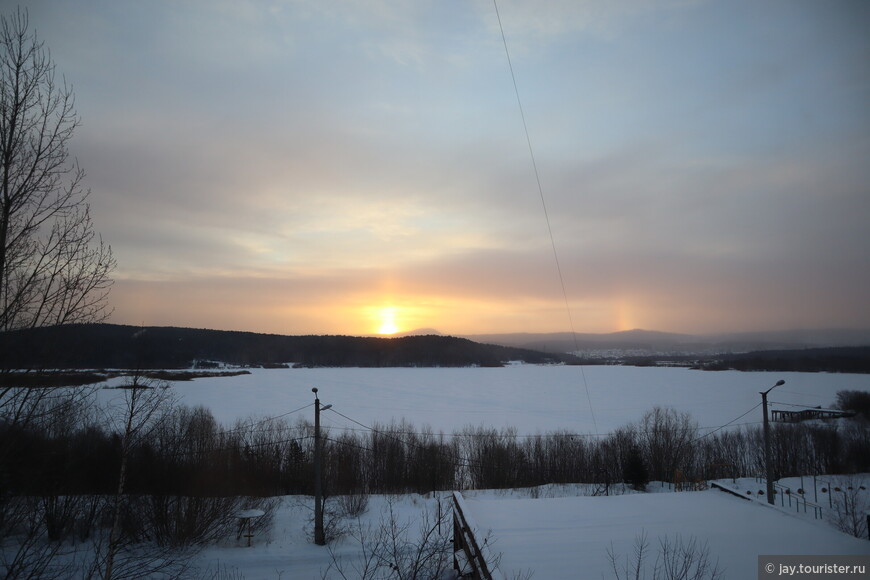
(297, 166)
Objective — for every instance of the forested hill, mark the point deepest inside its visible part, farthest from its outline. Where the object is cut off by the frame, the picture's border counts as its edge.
(115, 346)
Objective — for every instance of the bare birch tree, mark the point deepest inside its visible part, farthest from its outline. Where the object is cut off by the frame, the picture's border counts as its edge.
(146, 404)
(54, 269)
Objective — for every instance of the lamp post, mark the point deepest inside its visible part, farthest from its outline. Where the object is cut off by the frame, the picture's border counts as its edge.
(319, 537)
(768, 468)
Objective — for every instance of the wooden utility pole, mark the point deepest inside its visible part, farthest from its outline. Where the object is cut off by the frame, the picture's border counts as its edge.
(319, 537)
(768, 467)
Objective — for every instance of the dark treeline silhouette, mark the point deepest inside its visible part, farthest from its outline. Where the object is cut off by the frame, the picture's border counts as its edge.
(190, 454)
(172, 477)
(841, 359)
(94, 346)
(846, 359)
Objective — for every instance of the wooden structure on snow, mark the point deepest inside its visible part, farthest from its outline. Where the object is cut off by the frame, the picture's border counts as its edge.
(808, 415)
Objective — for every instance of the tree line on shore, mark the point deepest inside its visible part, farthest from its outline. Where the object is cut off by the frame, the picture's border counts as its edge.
(95, 346)
(68, 450)
(152, 470)
(67, 447)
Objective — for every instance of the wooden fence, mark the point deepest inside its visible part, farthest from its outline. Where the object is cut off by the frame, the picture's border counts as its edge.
(471, 556)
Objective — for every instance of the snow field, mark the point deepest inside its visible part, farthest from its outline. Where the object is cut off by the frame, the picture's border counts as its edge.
(530, 398)
(287, 550)
(555, 531)
(555, 535)
(569, 537)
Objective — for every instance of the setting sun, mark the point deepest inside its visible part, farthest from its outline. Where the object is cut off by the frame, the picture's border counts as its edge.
(387, 318)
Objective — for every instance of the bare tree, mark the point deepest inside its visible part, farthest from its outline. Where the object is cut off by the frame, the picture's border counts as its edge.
(53, 268)
(36, 515)
(677, 559)
(666, 437)
(851, 505)
(146, 404)
(395, 551)
(28, 556)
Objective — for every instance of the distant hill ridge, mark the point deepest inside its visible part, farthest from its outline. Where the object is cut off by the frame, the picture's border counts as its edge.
(652, 340)
(96, 346)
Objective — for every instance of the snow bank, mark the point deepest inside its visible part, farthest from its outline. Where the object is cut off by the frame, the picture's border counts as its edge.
(558, 537)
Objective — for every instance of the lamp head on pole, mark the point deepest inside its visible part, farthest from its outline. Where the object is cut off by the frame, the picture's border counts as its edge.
(778, 383)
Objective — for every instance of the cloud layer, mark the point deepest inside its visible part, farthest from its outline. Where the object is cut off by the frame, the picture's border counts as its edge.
(296, 166)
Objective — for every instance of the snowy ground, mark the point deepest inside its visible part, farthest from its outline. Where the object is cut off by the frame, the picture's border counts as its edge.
(825, 498)
(531, 398)
(556, 531)
(557, 537)
(287, 550)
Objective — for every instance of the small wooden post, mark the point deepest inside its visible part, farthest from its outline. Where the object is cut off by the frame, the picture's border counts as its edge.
(250, 534)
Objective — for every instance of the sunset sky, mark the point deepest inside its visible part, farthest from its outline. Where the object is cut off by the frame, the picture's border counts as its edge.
(355, 167)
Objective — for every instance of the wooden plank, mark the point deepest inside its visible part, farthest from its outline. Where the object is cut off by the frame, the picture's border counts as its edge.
(477, 554)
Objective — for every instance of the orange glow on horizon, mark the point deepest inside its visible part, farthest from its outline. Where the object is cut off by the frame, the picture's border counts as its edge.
(379, 312)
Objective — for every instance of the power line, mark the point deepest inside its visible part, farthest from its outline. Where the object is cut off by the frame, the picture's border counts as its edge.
(243, 447)
(461, 461)
(266, 420)
(795, 405)
(544, 206)
(572, 434)
(728, 423)
(800, 394)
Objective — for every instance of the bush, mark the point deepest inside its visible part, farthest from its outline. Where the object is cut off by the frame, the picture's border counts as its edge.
(677, 559)
(635, 472)
(857, 401)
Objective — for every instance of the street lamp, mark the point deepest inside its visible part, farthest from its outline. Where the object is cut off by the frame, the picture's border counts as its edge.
(768, 468)
(319, 537)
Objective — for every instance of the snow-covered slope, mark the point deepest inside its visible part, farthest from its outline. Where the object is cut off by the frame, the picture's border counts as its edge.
(569, 537)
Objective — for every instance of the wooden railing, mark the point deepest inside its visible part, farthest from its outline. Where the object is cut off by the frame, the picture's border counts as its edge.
(471, 556)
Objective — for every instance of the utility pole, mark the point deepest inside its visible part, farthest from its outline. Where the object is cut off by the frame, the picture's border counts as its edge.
(319, 537)
(768, 468)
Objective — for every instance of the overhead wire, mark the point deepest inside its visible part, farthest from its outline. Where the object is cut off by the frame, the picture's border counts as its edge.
(726, 424)
(243, 447)
(461, 461)
(544, 206)
(248, 427)
(469, 462)
(813, 395)
(795, 405)
(395, 432)
(265, 420)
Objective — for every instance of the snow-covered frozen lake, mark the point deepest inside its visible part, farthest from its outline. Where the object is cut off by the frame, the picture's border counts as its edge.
(531, 398)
